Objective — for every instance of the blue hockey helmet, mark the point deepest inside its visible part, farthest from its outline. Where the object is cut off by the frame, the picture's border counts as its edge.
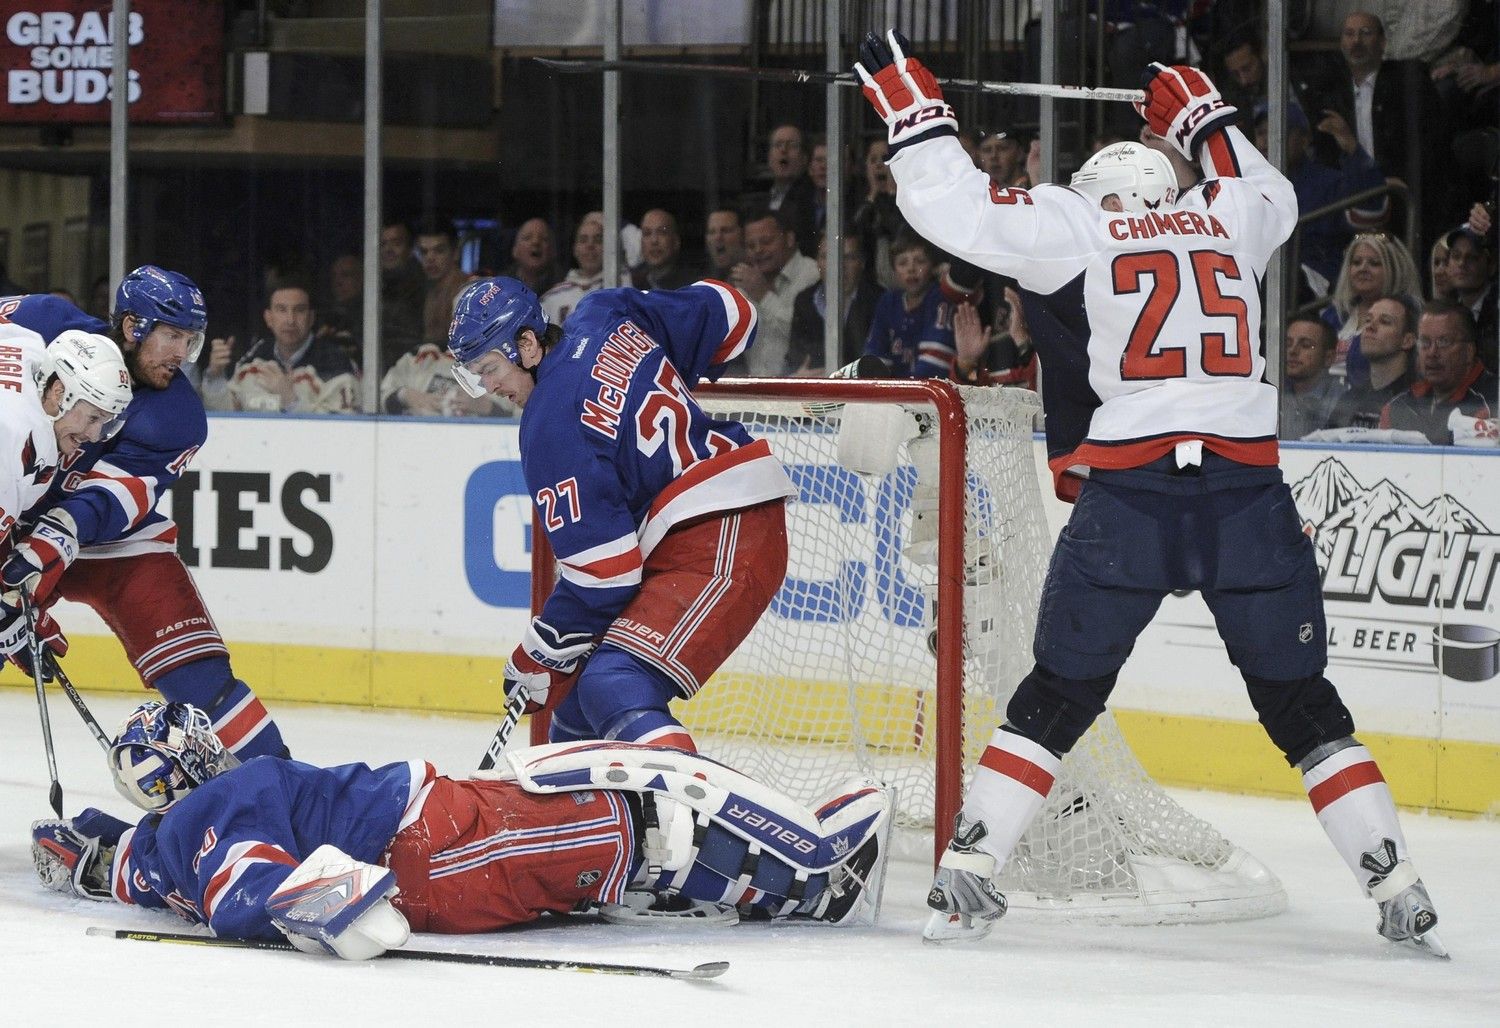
(164, 751)
(155, 295)
(489, 315)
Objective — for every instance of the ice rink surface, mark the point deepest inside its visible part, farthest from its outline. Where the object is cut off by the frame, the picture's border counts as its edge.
(1319, 963)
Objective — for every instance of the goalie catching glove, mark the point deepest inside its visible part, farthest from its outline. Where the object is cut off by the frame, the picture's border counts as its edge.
(73, 855)
(334, 904)
(1183, 107)
(903, 92)
(545, 658)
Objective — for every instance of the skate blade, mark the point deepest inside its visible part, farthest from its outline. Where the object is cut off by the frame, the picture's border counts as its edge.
(1429, 943)
(943, 928)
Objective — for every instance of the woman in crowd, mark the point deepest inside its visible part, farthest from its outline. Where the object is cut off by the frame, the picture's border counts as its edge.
(1375, 265)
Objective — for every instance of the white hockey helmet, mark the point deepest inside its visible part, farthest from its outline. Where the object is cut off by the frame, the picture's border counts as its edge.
(1141, 177)
(90, 368)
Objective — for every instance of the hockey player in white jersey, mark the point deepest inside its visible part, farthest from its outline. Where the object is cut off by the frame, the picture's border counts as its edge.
(1160, 425)
(52, 401)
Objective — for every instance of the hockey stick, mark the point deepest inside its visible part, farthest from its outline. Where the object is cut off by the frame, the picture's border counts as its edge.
(78, 704)
(54, 791)
(514, 708)
(701, 972)
(798, 76)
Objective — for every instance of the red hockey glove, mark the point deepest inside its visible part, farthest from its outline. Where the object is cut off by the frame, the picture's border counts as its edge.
(15, 645)
(1183, 107)
(903, 92)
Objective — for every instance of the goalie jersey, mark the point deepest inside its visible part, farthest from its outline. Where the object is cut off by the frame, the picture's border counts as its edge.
(615, 450)
(216, 856)
(1147, 324)
(111, 487)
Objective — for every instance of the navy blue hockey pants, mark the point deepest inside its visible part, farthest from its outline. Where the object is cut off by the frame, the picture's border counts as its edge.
(1226, 530)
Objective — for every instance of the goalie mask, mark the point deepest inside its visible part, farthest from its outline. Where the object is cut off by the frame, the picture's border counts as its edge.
(489, 315)
(164, 751)
(155, 295)
(1141, 177)
(90, 368)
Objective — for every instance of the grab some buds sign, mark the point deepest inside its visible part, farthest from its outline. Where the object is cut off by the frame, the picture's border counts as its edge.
(56, 57)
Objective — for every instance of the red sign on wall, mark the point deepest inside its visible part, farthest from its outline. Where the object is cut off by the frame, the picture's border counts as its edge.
(56, 56)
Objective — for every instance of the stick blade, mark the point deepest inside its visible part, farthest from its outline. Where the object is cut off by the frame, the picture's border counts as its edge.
(54, 795)
(703, 972)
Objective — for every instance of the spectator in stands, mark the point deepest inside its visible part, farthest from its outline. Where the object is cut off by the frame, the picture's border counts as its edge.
(723, 241)
(792, 192)
(1387, 339)
(100, 296)
(1309, 394)
(1454, 390)
(1376, 97)
(1471, 273)
(1002, 156)
(532, 257)
(1375, 264)
(1437, 267)
(877, 220)
(422, 382)
(1244, 81)
(1000, 356)
(402, 290)
(771, 275)
(1322, 242)
(817, 173)
(341, 317)
(913, 325)
(588, 273)
(437, 249)
(662, 266)
(293, 371)
(810, 309)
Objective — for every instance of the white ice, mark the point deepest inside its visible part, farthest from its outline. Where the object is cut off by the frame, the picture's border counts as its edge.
(1320, 963)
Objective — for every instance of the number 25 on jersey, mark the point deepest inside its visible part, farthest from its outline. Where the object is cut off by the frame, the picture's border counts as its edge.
(1146, 356)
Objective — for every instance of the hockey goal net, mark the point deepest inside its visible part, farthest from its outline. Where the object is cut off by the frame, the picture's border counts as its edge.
(917, 547)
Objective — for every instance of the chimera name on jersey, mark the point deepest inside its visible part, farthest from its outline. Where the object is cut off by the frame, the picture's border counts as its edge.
(1177, 223)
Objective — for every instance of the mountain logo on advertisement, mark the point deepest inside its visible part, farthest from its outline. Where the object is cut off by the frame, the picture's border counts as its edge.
(1377, 544)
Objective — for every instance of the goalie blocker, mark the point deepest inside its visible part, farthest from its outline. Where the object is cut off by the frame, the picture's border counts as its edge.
(349, 859)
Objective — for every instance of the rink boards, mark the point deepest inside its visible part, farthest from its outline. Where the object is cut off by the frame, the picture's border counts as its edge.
(386, 563)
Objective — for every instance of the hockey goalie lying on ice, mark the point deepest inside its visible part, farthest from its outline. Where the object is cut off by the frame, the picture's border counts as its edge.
(350, 859)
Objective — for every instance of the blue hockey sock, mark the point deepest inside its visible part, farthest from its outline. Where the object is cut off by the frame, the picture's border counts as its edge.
(240, 719)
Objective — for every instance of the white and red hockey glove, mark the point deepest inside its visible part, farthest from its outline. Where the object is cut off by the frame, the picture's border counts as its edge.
(15, 643)
(546, 657)
(40, 559)
(903, 92)
(1183, 107)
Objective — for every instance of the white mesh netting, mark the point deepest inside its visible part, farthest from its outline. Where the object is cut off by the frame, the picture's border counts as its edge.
(840, 675)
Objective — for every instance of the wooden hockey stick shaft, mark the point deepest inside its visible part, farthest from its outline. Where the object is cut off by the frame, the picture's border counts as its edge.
(28, 608)
(800, 77)
(514, 708)
(700, 972)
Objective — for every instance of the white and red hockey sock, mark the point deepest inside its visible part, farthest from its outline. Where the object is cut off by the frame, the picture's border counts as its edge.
(1355, 807)
(1012, 779)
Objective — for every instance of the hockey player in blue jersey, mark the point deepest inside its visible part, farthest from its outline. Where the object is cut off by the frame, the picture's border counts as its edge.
(98, 539)
(349, 860)
(668, 526)
(1145, 310)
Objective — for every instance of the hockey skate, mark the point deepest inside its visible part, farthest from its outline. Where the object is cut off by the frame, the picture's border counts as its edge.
(855, 886)
(667, 910)
(965, 903)
(1407, 916)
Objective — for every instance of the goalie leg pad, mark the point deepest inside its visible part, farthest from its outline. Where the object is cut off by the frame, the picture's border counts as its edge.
(337, 905)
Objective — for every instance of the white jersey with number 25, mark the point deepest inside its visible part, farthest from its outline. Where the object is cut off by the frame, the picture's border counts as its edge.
(1147, 324)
